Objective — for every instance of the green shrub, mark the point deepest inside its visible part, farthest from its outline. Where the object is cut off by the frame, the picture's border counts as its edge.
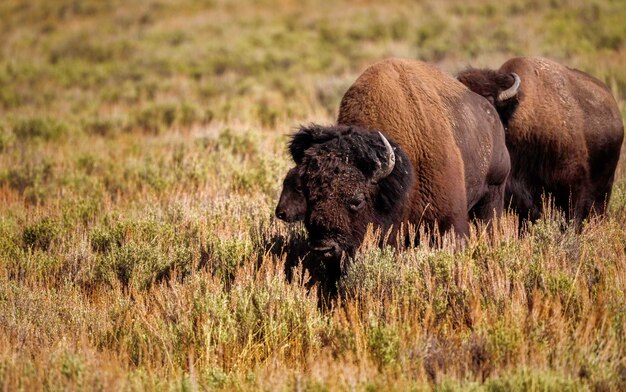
(102, 126)
(154, 119)
(226, 254)
(39, 128)
(81, 211)
(104, 239)
(81, 47)
(29, 179)
(524, 380)
(133, 264)
(10, 238)
(384, 343)
(7, 139)
(239, 143)
(374, 272)
(9, 98)
(259, 177)
(157, 118)
(504, 343)
(214, 378)
(40, 234)
(72, 367)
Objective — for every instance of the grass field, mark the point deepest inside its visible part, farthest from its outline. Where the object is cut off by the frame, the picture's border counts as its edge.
(142, 149)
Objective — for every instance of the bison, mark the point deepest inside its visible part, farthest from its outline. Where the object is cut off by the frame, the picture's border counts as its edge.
(412, 145)
(563, 131)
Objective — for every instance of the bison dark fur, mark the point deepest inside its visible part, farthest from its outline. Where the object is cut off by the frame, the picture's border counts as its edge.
(291, 204)
(342, 195)
(564, 134)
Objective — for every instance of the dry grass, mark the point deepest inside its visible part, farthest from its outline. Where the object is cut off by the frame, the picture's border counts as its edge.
(142, 147)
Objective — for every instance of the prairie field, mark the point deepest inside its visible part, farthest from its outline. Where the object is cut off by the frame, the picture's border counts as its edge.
(142, 152)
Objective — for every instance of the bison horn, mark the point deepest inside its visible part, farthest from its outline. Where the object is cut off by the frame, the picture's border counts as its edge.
(511, 91)
(385, 169)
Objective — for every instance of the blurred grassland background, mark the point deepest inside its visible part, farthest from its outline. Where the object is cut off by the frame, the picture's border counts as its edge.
(142, 149)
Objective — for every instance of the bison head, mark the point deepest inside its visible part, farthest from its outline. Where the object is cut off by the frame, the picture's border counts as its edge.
(291, 205)
(351, 177)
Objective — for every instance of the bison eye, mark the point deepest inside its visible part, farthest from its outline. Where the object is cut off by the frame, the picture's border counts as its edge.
(299, 188)
(356, 203)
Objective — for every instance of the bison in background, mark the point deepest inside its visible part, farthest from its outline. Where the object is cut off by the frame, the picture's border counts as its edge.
(563, 131)
(439, 158)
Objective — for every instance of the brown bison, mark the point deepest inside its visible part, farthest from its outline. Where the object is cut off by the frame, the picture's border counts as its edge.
(563, 131)
(413, 145)
(291, 204)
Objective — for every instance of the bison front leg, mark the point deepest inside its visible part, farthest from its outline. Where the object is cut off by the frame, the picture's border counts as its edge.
(489, 207)
(461, 229)
(456, 225)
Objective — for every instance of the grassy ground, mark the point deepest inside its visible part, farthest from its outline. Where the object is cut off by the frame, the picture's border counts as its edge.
(142, 147)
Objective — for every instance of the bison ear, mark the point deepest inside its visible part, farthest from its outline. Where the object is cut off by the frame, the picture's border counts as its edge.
(306, 137)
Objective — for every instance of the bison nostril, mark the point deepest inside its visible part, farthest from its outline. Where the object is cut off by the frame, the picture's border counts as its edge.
(280, 214)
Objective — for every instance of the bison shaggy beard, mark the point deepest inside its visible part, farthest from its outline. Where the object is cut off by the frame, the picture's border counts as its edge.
(340, 170)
